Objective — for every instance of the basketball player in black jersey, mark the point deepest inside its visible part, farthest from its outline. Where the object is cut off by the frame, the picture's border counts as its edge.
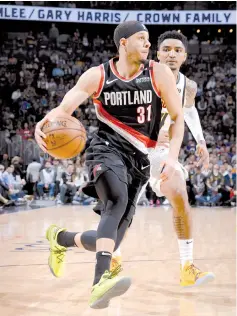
(127, 92)
(172, 50)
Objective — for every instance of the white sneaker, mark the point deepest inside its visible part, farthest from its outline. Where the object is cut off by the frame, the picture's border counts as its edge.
(166, 202)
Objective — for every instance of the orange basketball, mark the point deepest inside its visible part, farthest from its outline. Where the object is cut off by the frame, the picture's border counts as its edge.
(65, 137)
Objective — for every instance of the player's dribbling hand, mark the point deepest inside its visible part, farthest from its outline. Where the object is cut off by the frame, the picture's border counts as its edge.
(39, 135)
(168, 169)
(203, 155)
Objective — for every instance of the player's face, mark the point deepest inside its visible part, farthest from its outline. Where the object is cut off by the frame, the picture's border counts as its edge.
(137, 47)
(172, 53)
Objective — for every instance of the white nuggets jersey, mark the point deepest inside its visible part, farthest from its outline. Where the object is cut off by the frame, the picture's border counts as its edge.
(165, 118)
(160, 154)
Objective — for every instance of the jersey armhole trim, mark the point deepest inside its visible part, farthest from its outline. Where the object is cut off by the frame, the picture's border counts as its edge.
(184, 94)
(102, 81)
(153, 83)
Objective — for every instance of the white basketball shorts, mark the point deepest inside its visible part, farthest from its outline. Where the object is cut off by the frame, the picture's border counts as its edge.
(157, 157)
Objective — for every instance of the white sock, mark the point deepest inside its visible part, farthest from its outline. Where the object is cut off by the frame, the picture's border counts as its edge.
(185, 250)
(117, 253)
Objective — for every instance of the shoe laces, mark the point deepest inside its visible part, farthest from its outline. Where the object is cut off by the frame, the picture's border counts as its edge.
(114, 272)
(114, 263)
(193, 270)
(60, 253)
(111, 274)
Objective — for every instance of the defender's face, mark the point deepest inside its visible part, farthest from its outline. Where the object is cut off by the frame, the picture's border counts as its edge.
(172, 53)
(137, 47)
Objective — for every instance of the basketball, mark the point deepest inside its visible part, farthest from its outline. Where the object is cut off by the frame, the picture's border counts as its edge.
(65, 137)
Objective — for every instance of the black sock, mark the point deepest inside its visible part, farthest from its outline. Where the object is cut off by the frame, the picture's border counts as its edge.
(103, 259)
(66, 239)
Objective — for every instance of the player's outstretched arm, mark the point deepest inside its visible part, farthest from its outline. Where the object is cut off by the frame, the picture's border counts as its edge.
(87, 85)
(166, 84)
(192, 119)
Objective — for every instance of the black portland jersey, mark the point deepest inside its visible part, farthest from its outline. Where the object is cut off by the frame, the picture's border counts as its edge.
(129, 110)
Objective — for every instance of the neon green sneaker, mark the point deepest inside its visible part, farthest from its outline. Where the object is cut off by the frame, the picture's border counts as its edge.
(109, 286)
(57, 252)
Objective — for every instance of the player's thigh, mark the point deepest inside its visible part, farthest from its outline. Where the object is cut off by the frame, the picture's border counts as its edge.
(109, 187)
(135, 190)
(176, 184)
(100, 160)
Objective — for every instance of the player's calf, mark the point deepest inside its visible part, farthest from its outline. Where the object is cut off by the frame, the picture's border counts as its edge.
(175, 191)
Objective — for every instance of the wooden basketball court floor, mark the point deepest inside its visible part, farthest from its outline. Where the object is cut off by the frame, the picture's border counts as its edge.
(150, 256)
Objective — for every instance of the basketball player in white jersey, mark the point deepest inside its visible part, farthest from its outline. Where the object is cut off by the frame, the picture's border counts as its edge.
(172, 51)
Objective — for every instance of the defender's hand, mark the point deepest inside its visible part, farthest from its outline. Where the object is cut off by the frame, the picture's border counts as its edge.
(203, 155)
(168, 169)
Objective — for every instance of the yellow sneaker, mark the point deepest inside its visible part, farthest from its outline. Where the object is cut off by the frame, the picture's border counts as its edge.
(192, 276)
(109, 286)
(57, 252)
(115, 262)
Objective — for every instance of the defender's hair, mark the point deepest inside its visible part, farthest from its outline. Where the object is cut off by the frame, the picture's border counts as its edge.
(173, 35)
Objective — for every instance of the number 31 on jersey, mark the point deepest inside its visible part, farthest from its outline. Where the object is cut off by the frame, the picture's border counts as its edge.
(143, 114)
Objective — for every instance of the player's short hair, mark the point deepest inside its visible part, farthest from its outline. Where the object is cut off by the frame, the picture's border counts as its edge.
(173, 35)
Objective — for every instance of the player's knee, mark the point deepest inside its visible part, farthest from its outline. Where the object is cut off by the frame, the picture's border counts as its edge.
(179, 190)
(178, 198)
(177, 193)
(119, 198)
(175, 188)
(116, 207)
(88, 240)
(122, 199)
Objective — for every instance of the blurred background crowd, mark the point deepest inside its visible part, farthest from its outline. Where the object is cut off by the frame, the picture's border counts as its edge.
(39, 65)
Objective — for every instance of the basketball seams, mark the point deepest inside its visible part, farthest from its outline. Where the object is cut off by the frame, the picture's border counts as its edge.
(65, 129)
(75, 151)
(77, 122)
(67, 143)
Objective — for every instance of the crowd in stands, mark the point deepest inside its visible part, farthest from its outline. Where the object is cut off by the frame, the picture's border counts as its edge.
(62, 181)
(51, 179)
(37, 70)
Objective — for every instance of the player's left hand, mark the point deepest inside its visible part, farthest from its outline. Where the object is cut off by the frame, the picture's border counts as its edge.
(168, 169)
(203, 155)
